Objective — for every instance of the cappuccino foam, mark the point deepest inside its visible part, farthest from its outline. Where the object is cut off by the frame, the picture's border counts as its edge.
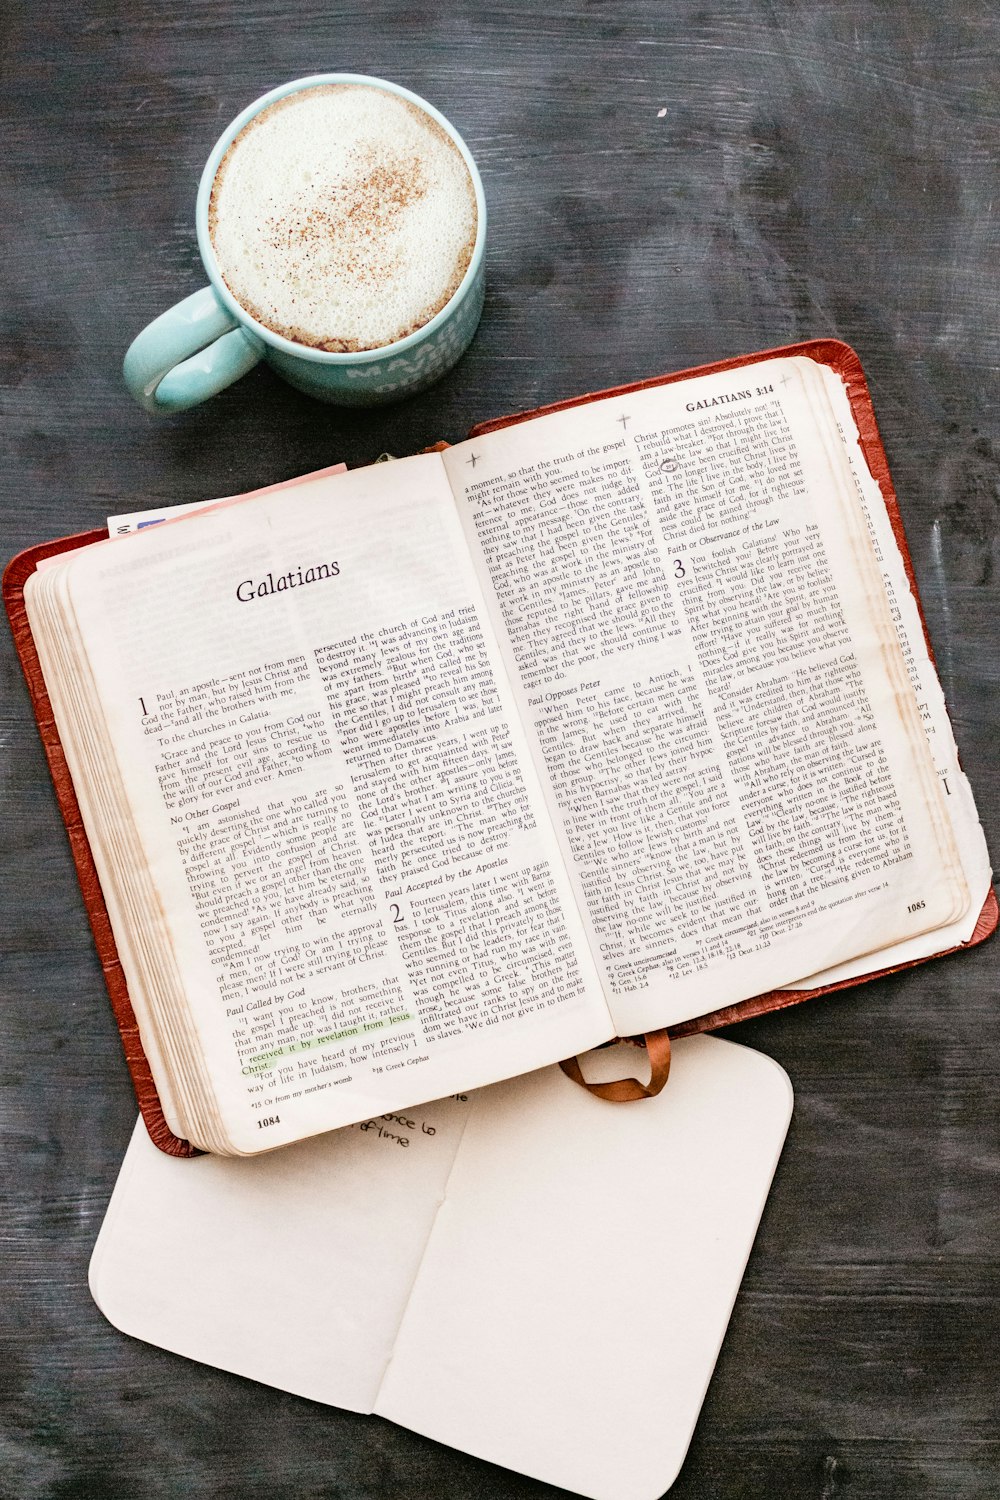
(343, 217)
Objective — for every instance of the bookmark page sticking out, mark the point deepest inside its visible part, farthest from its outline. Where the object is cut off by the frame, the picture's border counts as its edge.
(140, 520)
(544, 1281)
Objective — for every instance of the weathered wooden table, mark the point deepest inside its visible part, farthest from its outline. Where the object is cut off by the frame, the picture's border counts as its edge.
(818, 170)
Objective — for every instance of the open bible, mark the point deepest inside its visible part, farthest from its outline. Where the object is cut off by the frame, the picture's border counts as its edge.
(410, 779)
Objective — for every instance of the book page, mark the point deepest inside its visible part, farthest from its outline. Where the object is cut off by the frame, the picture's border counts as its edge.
(319, 750)
(685, 589)
(933, 715)
(538, 1278)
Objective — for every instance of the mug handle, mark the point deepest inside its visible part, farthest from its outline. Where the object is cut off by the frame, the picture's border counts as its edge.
(189, 353)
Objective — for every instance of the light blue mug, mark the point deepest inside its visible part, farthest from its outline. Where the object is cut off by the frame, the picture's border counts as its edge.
(197, 348)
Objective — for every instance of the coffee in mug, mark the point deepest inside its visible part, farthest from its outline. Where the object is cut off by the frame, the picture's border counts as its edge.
(342, 217)
(342, 225)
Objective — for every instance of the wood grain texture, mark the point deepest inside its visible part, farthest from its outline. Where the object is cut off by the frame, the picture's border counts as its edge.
(821, 171)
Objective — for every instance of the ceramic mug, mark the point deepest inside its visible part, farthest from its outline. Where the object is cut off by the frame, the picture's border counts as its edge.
(209, 340)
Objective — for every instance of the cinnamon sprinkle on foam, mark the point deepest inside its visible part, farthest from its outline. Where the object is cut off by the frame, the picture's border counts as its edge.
(343, 217)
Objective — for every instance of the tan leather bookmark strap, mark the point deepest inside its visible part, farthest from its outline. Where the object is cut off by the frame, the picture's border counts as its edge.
(623, 1090)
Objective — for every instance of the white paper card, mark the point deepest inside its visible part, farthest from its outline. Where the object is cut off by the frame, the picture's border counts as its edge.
(291, 1268)
(544, 1281)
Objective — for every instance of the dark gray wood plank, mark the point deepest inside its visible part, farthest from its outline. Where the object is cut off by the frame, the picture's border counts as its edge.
(820, 170)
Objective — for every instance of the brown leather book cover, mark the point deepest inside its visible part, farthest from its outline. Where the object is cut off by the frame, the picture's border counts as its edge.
(826, 351)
